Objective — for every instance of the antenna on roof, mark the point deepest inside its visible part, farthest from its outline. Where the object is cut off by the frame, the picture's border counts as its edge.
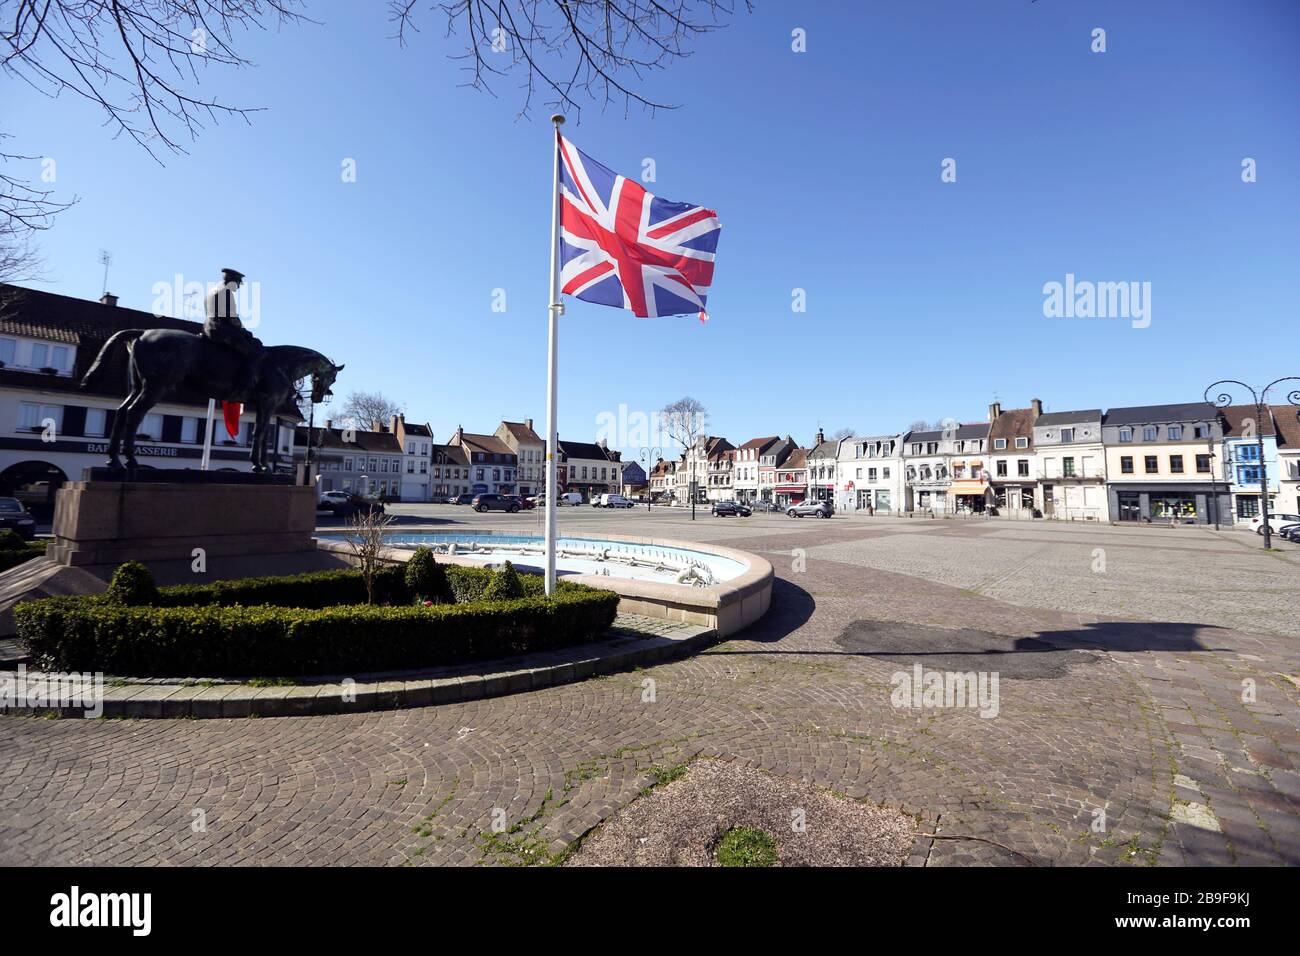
(105, 260)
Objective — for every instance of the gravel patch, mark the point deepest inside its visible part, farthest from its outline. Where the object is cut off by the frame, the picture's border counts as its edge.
(681, 823)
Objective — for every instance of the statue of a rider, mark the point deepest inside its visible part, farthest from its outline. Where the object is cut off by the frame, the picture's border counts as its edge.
(223, 326)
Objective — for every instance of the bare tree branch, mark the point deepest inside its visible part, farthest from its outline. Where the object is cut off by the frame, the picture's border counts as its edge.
(25, 210)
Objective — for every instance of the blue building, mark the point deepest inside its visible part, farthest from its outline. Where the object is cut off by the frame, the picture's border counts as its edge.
(1243, 436)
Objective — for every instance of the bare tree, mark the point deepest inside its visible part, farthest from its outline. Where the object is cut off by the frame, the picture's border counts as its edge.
(135, 59)
(25, 210)
(843, 433)
(367, 535)
(370, 410)
(600, 49)
(684, 421)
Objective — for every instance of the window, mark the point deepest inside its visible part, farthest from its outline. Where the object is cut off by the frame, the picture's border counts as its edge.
(1246, 453)
(1149, 433)
(1200, 431)
(8, 351)
(1126, 434)
(1067, 435)
(884, 473)
(32, 417)
(1175, 432)
(410, 467)
(1067, 467)
(1151, 465)
(96, 422)
(1022, 467)
(1248, 474)
(999, 444)
(189, 427)
(1176, 464)
(1022, 442)
(151, 426)
(1173, 506)
(40, 352)
(1002, 468)
(1203, 464)
(61, 358)
(1247, 506)
(871, 474)
(1126, 464)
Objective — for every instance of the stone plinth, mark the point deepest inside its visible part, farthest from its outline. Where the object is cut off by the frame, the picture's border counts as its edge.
(108, 522)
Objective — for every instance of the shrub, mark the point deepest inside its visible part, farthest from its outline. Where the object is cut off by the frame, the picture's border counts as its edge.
(132, 585)
(79, 633)
(315, 589)
(13, 558)
(11, 540)
(505, 585)
(425, 578)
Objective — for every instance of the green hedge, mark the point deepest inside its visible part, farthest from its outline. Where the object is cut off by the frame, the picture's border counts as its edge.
(12, 557)
(306, 624)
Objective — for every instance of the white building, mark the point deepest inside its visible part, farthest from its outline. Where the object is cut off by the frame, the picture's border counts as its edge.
(1072, 465)
(870, 474)
(1286, 419)
(416, 442)
(745, 475)
(359, 461)
(51, 430)
(530, 453)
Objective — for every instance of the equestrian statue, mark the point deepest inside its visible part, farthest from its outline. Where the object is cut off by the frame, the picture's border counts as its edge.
(225, 361)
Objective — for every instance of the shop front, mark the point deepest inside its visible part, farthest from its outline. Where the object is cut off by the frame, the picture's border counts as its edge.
(970, 496)
(1190, 503)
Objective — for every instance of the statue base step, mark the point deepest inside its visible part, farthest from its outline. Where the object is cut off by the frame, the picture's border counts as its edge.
(184, 476)
(108, 522)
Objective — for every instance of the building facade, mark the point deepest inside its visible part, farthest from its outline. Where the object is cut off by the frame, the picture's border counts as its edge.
(1249, 451)
(1013, 477)
(823, 467)
(1159, 463)
(357, 461)
(417, 448)
(492, 463)
(1072, 465)
(745, 479)
(530, 453)
(870, 474)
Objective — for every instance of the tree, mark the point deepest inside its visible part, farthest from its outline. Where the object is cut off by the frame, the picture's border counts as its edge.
(370, 410)
(684, 421)
(843, 433)
(367, 534)
(25, 210)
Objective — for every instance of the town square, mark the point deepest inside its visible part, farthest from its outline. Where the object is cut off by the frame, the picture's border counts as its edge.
(616, 435)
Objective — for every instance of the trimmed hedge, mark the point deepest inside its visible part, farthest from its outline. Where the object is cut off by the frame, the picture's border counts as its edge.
(12, 557)
(307, 624)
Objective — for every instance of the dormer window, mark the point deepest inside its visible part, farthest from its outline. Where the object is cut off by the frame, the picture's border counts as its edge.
(1022, 442)
(999, 444)
(36, 356)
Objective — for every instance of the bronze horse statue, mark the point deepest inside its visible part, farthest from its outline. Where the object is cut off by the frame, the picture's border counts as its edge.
(161, 360)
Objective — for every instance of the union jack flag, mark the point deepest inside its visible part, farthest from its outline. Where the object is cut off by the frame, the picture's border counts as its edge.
(622, 246)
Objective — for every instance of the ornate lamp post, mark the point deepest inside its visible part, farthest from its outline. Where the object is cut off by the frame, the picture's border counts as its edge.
(1224, 399)
(647, 456)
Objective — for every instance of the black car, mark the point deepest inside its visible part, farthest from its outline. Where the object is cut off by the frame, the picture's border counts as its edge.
(483, 503)
(15, 517)
(460, 499)
(730, 509)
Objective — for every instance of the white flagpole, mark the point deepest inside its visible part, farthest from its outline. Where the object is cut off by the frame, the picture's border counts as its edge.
(207, 436)
(554, 309)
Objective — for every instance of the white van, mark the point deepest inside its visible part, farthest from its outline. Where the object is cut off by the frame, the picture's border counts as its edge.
(568, 498)
(611, 501)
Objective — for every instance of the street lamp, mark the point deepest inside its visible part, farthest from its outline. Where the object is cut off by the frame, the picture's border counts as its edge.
(647, 456)
(1214, 486)
(1224, 399)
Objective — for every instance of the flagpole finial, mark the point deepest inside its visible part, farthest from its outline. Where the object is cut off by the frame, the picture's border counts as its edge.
(558, 119)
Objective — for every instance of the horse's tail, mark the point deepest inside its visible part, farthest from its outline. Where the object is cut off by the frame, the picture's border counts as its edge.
(124, 337)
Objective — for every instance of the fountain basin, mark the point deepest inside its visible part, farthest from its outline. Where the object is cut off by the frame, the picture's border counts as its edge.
(644, 572)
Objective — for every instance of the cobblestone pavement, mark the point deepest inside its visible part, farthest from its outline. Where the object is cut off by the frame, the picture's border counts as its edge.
(1134, 724)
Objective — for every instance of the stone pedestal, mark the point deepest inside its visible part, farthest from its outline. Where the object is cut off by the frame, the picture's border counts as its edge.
(108, 522)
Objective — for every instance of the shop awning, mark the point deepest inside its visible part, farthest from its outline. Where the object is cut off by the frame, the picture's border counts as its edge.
(968, 487)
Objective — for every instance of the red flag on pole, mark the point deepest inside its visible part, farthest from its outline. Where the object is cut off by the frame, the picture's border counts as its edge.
(231, 411)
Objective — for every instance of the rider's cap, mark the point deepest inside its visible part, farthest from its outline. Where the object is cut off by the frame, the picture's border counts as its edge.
(232, 275)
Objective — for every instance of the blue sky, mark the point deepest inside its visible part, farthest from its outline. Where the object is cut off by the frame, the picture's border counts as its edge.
(924, 298)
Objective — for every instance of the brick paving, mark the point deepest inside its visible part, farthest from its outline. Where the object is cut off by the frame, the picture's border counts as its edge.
(1124, 734)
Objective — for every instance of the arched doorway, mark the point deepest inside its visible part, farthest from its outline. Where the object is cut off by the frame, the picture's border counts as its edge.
(34, 483)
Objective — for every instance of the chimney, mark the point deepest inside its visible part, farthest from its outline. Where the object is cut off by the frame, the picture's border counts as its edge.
(393, 423)
(528, 422)
(820, 438)
(1037, 405)
(604, 445)
(108, 299)
(460, 436)
(994, 411)
(329, 423)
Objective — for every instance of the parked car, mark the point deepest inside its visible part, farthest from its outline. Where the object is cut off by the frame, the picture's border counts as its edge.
(14, 516)
(611, 501)
(525, 504)
(1275, 522)
(819, 509)
(344, 504)
(1289, 531)
(460, 499)
(730, 509)
(483, 503)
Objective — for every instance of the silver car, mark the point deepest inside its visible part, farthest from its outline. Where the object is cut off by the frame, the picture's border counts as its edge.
(819, 509)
